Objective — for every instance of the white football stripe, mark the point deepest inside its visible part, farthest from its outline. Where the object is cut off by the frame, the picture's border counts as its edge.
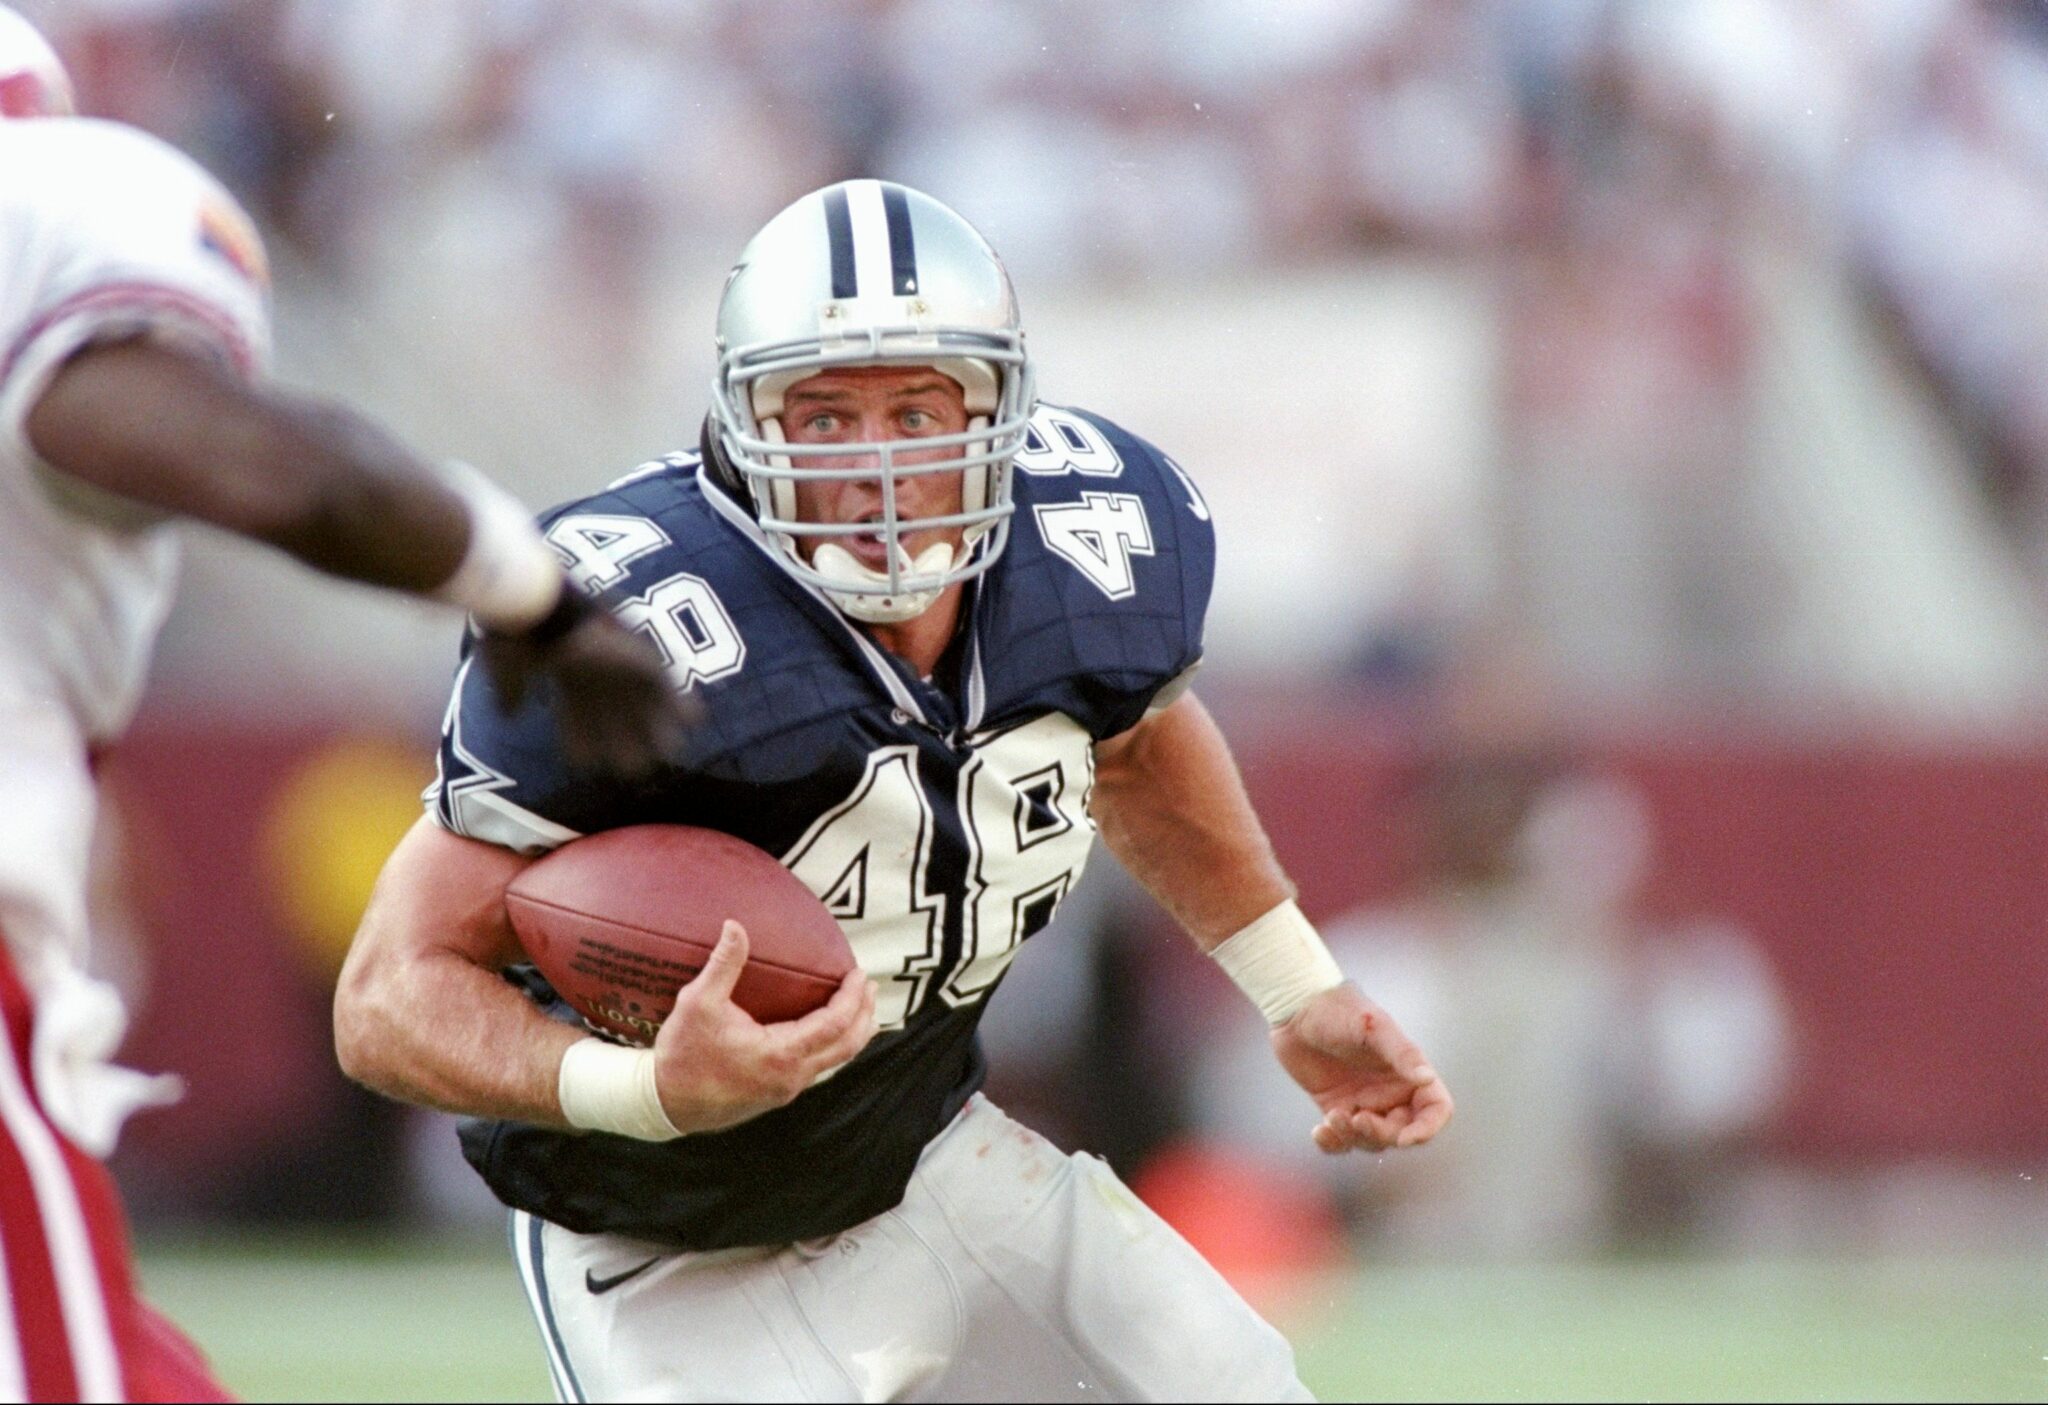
(530, 1276)
(873, 270)
(13, 1368)
(79, 1290)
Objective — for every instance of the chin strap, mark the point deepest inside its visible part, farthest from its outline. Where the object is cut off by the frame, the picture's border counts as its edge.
(836, 563)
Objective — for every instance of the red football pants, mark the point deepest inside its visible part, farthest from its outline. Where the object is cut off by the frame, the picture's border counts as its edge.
(71, 1324)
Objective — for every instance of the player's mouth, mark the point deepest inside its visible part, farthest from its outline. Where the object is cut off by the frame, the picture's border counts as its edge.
(870, 548)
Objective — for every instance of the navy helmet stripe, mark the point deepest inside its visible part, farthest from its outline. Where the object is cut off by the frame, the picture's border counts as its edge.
(558, 1351)
(839, 233)
(902, 246)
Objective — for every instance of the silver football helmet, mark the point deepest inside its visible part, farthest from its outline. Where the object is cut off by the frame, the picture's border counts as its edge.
(33, 82)
(866, 273)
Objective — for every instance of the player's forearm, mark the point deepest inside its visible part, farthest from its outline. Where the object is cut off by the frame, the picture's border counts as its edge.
(177, 432)
(440, 1032)
(1173, 809)
(421, 1013)
(367, 509)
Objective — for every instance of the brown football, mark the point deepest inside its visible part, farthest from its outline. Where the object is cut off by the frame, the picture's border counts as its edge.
(619, 921)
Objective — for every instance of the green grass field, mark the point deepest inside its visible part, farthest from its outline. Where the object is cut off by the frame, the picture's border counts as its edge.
(428, 1320)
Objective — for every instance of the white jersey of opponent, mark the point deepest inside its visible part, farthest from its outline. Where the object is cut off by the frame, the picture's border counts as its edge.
(105, 233)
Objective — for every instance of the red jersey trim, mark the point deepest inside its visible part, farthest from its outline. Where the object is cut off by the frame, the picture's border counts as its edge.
(135, 297)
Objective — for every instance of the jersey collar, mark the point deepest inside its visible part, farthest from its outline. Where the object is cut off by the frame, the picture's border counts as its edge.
(892, 681)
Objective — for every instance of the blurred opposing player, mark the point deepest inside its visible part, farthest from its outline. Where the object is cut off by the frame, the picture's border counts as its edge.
(132, 329)
(939, 635)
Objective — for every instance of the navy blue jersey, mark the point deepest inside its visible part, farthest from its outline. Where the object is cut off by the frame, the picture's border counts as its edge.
(941, 820)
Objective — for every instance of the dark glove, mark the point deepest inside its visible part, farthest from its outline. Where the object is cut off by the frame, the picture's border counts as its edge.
(613, 706)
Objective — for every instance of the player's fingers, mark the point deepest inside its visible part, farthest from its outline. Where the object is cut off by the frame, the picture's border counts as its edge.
(1410, 1063)
(860, 1030)
(1376, 1131)
(588, 733)
(854, 1039)
(808, 1033)
(1433, 1109)
(646, 726)
(1340, 1133)
(837, 1030)
(509, 674)
(583, 738)
(665, 725)
(1328, 1139)
(722, 968)
(629, 738)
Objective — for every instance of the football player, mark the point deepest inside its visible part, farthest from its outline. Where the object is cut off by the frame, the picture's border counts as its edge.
(132, 336)
(939, 634)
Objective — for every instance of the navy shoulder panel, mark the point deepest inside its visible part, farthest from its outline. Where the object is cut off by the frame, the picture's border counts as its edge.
(760, 659)
(1101, 598)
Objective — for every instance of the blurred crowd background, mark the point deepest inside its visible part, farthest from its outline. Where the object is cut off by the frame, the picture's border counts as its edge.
(1626, 429)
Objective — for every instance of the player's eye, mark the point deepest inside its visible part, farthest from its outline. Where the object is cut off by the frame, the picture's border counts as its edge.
(918, 419)
(822, 423)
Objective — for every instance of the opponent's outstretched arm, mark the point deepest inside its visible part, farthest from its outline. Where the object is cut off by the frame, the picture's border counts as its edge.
(423, 1015)
(187, 434)
(1173, 809)
(157, 424)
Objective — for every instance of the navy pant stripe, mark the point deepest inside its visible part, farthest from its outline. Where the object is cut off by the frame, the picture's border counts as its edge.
(566, 1384)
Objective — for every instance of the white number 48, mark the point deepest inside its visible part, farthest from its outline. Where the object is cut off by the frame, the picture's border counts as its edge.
(1099, 535)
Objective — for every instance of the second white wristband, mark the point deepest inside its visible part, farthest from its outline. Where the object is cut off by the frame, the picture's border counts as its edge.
(606, 1088)
(1280, 962)
(509, 577)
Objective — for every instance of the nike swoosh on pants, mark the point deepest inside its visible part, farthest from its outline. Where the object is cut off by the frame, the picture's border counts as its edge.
(598, 1285)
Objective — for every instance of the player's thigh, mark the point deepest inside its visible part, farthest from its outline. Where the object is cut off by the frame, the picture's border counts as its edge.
(1070, 1259)
(71, 1324)
(623, 1320)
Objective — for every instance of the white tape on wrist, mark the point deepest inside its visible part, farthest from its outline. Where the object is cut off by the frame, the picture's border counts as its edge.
(1280, 962)
(606, 1088)
(509, 578)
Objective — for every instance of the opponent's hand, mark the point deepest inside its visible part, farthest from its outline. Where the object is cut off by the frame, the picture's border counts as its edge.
(1374, 1086)
(614, 709)
(716, 1065)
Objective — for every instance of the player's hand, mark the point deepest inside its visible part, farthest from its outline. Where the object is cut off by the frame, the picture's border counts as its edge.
(1374, 1086)
(716, 1065)
(614, 709)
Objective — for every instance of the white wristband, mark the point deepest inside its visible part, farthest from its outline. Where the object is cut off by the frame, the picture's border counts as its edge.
(1280, 962)
(606, 1088)
(509, 578)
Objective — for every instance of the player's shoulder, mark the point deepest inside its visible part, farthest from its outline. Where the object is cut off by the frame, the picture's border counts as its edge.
(1100, 599)
(83, 158)
(1070, 439)
(1070, 451)
(119, 189)
(1099, 506)
(646, 526)
(663, 488)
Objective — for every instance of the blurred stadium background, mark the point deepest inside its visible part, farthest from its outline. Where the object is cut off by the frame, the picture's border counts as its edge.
(1627, 422)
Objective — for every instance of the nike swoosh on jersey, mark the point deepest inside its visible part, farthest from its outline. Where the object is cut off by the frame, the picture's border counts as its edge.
(598, 1285)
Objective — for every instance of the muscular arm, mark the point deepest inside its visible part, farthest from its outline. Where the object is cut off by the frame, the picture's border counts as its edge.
(1172, 808)
(158, 425)
(181, 432)
(421, 1013)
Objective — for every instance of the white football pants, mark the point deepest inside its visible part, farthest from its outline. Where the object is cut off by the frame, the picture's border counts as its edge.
(1009, 1272)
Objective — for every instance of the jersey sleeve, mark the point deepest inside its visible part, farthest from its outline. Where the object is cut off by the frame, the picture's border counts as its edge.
(499, 775)
(502, 774)
(113, 234)
(1115, 560)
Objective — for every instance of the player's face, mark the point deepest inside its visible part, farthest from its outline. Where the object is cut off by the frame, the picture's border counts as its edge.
(875, 403)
